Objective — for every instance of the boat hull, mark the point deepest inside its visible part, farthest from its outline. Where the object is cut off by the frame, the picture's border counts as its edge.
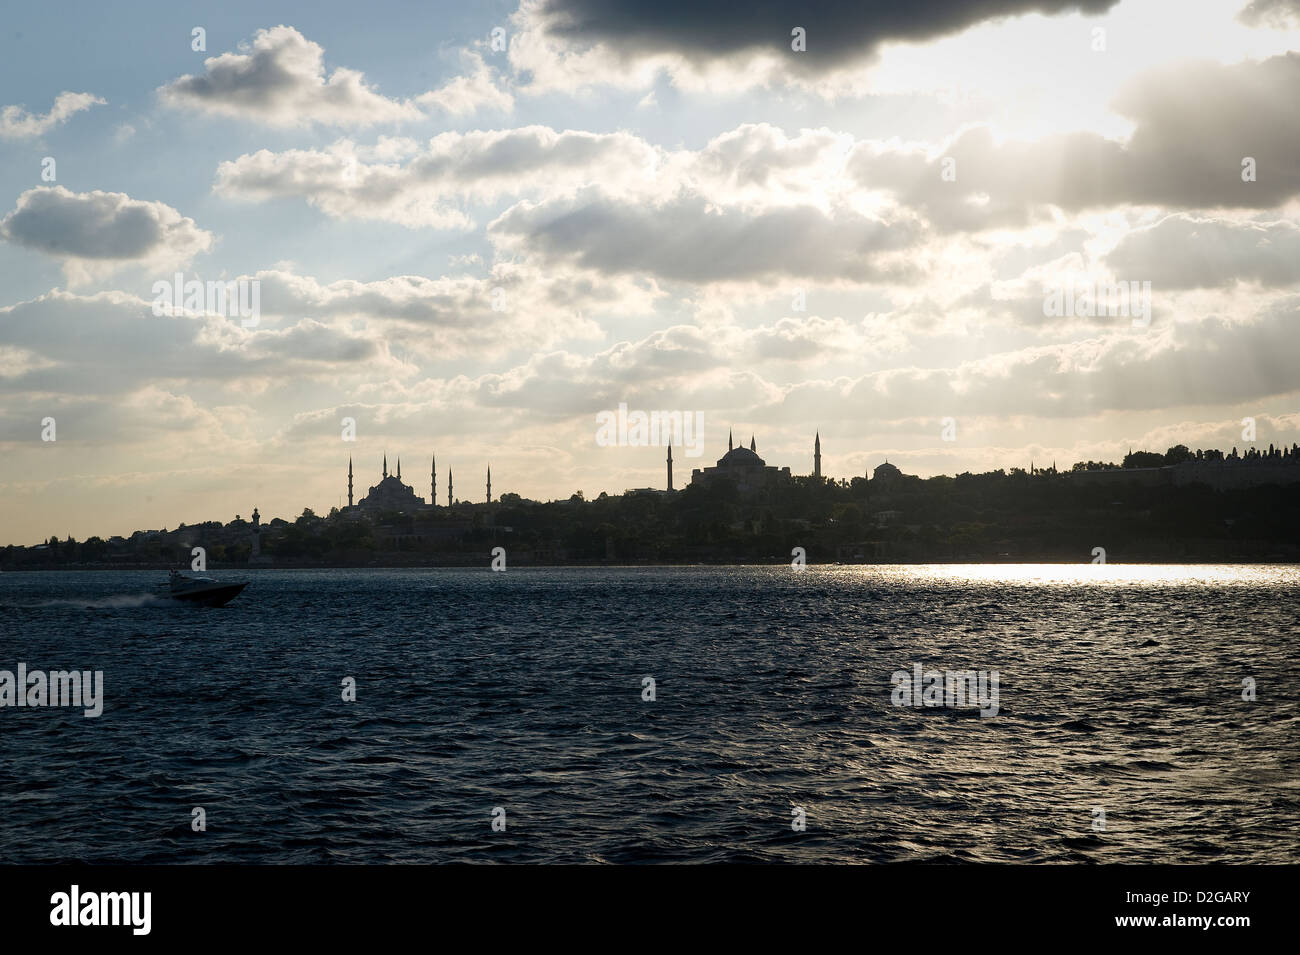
(211, 596)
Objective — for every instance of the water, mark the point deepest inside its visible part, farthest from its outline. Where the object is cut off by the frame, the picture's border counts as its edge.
(523, 690)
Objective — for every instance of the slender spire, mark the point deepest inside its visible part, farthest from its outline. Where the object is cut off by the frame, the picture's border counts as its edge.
(489, 488)
(449, 487)
(751, 443)
(399, 467)
(817, 455)
(728, 439)
(433, 482)
(349, 480)
(385, 464)
(670, 465)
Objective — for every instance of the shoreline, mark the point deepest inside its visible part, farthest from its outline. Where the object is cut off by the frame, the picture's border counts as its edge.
(485, 564)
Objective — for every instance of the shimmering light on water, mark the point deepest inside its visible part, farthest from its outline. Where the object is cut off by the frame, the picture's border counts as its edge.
(1121, 689)
(1217, 575)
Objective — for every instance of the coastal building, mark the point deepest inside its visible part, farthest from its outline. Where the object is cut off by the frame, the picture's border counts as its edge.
(886, 473)
(743, 468)
(390, 494)
(255, 555)
(1255, 468)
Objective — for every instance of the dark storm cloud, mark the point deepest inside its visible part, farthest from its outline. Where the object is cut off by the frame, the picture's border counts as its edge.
(839, 31)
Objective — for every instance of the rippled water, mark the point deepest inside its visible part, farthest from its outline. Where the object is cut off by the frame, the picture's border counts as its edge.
(523, 690)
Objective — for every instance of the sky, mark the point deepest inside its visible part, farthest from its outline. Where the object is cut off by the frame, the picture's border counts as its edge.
(473, 229)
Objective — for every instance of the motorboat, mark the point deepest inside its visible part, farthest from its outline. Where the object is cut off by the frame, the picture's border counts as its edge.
(203, 590)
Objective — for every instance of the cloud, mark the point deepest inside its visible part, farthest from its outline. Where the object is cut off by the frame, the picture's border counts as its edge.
(688, 238)
(102, 230)
(475, 89)
(685, 367)
(1195, 125)
(753, 203)
(1274, 14)
(17, 123)
(570, 44)
(280, 80)
(112, 343)
(1186, 251)
(431, 187)
(1181, 365)
(446, 317)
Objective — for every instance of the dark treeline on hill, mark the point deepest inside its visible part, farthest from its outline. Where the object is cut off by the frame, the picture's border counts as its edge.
(1015, 516)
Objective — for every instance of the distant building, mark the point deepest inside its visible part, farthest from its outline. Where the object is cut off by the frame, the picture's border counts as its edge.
(390, 494)
(886, 473)
(255, 555)
(744, 468)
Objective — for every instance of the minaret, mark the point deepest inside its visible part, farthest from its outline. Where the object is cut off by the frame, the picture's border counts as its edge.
(349, 480)
(433, 482)
(670, 465)
(385, 465)
(817, 455)
(399, 467)
(489, 500)
(728, 439)
(752, 446)
(449, 487)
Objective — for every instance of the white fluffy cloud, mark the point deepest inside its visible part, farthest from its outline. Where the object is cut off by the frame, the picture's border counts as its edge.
(1196, 125)
(440, 318)
(477, 88)
(1188, 251)
(432, 187)
(688, 238)
(112, 343)
(99, 231)
(18, 123)
(280, 80)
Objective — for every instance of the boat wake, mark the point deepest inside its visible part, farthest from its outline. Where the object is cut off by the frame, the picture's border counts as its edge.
(119, 602)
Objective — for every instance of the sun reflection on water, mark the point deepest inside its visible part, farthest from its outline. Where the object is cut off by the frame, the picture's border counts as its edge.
(1103, 575)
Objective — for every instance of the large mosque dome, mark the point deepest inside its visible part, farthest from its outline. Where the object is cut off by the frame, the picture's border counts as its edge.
(741, 457)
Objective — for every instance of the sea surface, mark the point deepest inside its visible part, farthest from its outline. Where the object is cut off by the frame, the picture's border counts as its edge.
(1120, 704)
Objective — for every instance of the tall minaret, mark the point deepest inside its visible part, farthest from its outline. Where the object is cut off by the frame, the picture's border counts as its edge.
(728, 439)
(349, 480)
(399, 467)
(433, 482)
(670, 465)
(817, 455)
(752, 446)
(385, 465)
(449, 498)
(489, 500)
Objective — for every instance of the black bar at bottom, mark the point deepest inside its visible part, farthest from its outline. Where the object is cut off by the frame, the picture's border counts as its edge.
(332, 904)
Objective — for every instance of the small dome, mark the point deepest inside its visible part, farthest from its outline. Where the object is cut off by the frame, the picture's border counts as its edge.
(886, 471)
